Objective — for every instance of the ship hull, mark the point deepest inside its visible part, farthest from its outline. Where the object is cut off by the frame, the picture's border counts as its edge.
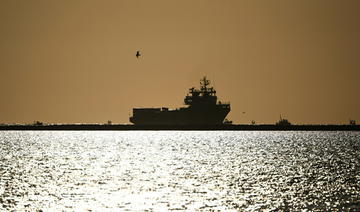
(183, 116)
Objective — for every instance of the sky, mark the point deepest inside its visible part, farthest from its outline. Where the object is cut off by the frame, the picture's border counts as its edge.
(73, 61)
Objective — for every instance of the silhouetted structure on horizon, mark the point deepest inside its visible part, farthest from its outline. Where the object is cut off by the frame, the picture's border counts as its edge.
(283, 122)
(203, 109)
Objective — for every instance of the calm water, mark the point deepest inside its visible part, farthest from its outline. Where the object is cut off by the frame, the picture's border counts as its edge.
(175, 170)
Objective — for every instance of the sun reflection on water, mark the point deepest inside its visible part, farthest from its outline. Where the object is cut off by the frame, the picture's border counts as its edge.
(178, 170)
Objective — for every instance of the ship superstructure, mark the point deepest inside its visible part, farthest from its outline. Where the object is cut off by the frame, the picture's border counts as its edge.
(202, 108)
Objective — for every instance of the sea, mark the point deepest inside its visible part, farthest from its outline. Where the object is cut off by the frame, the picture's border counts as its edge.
(179, 171)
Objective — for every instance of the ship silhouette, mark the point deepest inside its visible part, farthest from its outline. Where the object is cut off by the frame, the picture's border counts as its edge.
(203, 108)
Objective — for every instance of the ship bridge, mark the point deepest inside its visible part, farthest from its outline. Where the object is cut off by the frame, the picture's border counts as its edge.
(204, 96)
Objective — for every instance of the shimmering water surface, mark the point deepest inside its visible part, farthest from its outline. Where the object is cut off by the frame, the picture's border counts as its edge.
(178, 170)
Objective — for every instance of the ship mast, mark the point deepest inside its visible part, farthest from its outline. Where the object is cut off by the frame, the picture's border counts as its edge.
(204, 83)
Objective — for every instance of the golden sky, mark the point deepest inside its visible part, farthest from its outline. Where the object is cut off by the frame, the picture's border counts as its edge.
(73, 61)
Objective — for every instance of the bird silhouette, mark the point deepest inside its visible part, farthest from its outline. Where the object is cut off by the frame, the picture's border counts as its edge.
(138, 54)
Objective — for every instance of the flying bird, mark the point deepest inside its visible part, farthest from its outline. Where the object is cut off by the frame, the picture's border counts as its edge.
(138, 54)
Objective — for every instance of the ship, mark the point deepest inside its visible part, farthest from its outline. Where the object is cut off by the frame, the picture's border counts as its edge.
(202, 108)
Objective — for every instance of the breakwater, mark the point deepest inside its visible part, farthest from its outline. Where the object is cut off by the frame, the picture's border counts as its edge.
(264, 127)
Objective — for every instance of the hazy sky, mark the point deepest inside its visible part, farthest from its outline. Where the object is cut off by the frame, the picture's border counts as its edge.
(74, 61)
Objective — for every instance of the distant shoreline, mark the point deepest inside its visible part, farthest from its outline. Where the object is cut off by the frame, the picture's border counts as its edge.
(232, 127)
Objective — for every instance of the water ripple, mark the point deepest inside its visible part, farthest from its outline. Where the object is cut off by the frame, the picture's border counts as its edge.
(177, 170)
